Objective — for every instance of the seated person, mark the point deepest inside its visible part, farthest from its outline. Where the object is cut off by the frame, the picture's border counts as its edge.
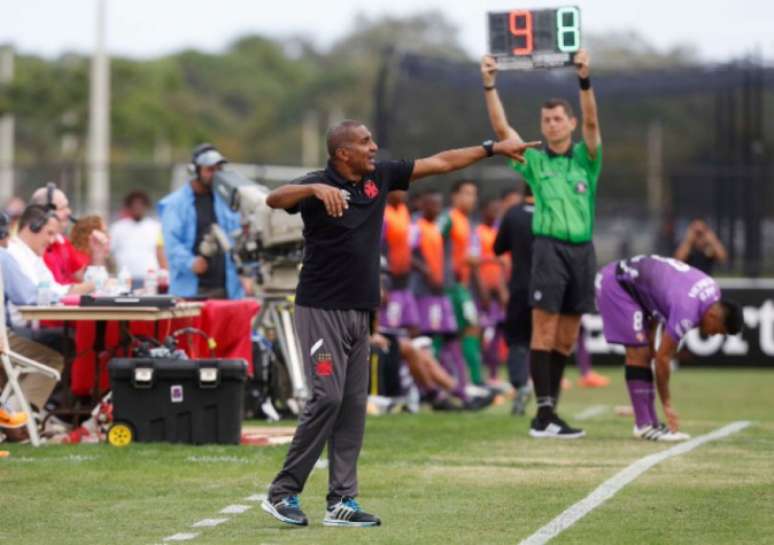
(89, 240)
(18, 289)
(65, 263)
(38, 227)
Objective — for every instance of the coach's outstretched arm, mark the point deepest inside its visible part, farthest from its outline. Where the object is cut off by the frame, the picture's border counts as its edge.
(456, 159)
(591, 134)
(494, 106)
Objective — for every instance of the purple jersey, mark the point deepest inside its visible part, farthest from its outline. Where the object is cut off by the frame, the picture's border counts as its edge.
(669, 290)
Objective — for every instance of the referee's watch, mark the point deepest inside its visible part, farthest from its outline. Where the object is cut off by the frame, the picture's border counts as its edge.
(488, 147)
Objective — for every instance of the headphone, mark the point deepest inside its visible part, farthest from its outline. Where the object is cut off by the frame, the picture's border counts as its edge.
(50, 188)
(5, 222)
(198, 151)
(37, 224)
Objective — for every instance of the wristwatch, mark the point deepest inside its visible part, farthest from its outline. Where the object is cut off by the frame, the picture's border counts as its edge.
(489, 147)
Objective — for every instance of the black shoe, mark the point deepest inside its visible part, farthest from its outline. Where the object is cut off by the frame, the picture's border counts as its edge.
(447, 404)
(286, 510)
(480, 401)
(347, 512)
(555, 428)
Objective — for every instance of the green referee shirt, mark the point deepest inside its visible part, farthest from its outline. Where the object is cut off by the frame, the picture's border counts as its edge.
(565, 189)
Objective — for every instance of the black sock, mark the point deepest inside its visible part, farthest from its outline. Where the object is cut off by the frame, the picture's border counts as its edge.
(540, 369)
(558, 363)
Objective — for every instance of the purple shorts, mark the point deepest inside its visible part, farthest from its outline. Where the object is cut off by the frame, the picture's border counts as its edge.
(436, 314)
(401, 310)
(492, 316)
(623, 320)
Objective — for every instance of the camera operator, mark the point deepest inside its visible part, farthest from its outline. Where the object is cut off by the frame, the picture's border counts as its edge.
(187, 216)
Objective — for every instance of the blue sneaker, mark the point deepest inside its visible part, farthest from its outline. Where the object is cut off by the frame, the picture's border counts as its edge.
(286, 510)
(347, 512)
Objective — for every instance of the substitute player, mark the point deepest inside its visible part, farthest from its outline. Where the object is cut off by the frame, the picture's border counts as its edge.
(515, 238)
(343, 209)
(489, 288)
(457, 234)
(563, 177)
(633, 296)
(400, 310)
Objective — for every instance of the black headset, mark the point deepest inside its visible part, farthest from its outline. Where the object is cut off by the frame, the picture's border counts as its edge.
(5, 224)
(50, 206)
(197, 151)
(50, 188)
(36, 225)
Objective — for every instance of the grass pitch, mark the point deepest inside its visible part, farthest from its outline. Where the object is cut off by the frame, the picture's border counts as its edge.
(450, 479)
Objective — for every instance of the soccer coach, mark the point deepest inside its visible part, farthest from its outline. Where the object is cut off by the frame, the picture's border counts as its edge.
(563, 177)
(343, 209)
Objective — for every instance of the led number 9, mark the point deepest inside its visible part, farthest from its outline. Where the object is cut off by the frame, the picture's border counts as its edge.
(520, 25)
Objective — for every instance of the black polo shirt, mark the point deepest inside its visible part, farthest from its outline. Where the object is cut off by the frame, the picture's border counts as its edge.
(514, 235)
(341, 255)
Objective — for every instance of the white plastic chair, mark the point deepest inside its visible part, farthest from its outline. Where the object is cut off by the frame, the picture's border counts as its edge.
(15, 367)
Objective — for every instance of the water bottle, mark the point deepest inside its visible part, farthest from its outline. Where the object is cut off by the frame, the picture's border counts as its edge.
(44, 298)
(151, 284)
(97, 275)
(124, 281)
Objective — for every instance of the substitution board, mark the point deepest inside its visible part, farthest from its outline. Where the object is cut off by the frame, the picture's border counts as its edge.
(524, 39)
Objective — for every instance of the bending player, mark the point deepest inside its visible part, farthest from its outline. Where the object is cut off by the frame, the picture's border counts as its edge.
(633, 296)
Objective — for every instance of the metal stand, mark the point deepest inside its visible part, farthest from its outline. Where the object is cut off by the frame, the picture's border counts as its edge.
(277, 310)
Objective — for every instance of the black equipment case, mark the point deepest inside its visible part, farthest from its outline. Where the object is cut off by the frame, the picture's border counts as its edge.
(178, 400)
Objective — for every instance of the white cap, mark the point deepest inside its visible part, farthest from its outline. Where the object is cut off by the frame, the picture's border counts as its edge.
(210, 158)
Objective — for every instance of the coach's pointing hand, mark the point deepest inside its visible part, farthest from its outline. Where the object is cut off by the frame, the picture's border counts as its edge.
(514, 148)
(333, 198)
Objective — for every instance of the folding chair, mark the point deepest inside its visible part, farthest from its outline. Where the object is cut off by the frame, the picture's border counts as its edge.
(17, 366)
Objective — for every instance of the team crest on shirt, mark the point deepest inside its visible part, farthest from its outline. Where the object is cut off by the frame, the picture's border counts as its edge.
(323, 366)
(370, 189)
(581, 187)
(640, 337)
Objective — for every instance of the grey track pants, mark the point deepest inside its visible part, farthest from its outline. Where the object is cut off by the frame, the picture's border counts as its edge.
(334, 345)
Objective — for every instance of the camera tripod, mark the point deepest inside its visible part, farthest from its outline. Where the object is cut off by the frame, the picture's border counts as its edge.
(276, 315)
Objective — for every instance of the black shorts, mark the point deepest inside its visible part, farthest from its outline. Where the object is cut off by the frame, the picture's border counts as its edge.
(562, 276)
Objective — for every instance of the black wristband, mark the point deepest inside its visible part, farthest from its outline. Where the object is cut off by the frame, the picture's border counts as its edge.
(489, 87)
(585, 83)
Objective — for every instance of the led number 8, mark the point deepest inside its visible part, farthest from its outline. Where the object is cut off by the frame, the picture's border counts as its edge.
(568, 35)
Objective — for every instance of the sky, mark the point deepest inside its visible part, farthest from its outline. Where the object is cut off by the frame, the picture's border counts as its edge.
(149, 28)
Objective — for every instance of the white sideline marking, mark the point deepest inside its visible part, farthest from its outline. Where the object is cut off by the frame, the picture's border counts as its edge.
(208, 523)
(235, 509)
(610, 487)
(257, 497)
(217, 459)
(182, 536)
(591, 412)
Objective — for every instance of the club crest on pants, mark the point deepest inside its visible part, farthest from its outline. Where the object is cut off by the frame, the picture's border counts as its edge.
(323, 365)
